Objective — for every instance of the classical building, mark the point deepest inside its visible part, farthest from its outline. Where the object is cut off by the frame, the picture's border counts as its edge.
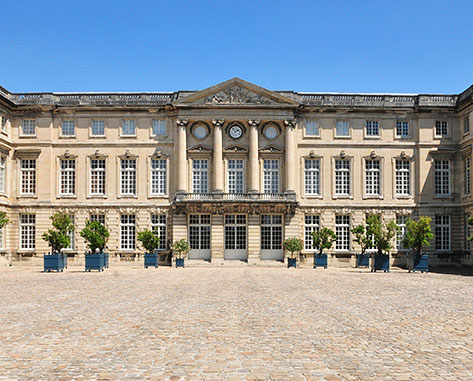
(234, 168)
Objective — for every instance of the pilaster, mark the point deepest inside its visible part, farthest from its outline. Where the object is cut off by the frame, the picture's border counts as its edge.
(253, 186)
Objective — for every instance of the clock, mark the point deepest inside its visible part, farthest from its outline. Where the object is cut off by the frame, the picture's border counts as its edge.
(236, 132)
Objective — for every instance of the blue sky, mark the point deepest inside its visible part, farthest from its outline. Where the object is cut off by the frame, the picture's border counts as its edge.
(344, 46)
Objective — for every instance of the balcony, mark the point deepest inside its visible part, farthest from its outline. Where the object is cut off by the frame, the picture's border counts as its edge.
(220, 203)
(232, 197)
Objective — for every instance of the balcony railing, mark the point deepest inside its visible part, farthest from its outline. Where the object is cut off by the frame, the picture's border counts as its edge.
(219, 197)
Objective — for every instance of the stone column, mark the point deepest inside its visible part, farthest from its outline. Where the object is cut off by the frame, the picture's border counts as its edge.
(181, 156)
(218, 173)
(290, 165)
(253, 186)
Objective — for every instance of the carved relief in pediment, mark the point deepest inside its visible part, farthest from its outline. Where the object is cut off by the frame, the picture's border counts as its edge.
(237, 95)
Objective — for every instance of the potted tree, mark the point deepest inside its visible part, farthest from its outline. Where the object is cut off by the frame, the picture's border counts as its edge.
(418, 234)
(180, 249)
(292, 245)
(322, 239)
(96, 235)
(58, 238)
(382, 234)
(150, 241)
(365, 242)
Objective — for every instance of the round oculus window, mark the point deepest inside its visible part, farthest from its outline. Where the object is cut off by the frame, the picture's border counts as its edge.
(200, 132)
(270, 132)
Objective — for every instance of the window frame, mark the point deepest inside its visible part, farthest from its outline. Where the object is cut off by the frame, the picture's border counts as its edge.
(336, 135)
(309, 228)
(161, 227)
(133, 180)
(122, 134)
(61, 128)
(3, 175)
(104, 170)
(440, 124)
(378, 126)
(409, 129)
(29, 233)
(22, 128)
(91, 130)
(60, 194)
(150, 174)
(153, 135)
(348, 230)
(311, 170)
(270, 171)
(379, 171)
(439, 237)
(349, 160)
(22, 173)
(410, 161)
(130, 245)
(466, 124)
(228, 170)
(311, 136)
(440, 171)
(200, 171)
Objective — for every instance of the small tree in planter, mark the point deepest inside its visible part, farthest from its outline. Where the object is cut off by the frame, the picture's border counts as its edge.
(365, 242)
(180, 249)
(292, 245)
(418, 234)
(96, 236)
(322, 239)
(150, 241)
(382, 234)
(58, 238)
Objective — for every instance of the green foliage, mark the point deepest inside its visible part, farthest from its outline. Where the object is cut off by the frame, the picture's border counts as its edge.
(323, 239)
(362, 238)
(96, 235)
(59, 237)
(470, 223)
(149, 240)
(3, 219)
(382, 233)
(418, 234)
(293, 245)
(180, 248)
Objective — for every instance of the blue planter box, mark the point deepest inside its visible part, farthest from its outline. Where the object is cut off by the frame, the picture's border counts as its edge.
(94, 262)
(151, 259)
(179, 262)
(292, 262)
(381, 262)
(53, 262)
(64, 259)
(362, 260)
(320, 260)
(421, 263)
(105, 260)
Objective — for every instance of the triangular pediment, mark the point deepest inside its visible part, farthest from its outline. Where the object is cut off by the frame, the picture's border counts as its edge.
(270, 149)
(199, 148)
(235, 92)
(235, 148)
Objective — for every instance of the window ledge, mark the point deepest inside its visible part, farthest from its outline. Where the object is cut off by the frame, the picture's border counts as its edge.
(311, 137)
(128, 136)
(372, 137)
(406, 197)
(313, 196)
(373, 197)
(342, 137)
(158, 196)
(402, 137)
(67, 136)
(27, 136)
(97, 136)
(66, 196)
(443, 197)
(127, 196)
(4, 132)
(440, 137)
(342, 197)
(97, 196)
(27, 196)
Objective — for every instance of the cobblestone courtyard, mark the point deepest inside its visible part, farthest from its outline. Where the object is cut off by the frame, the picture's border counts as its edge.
(234, 323)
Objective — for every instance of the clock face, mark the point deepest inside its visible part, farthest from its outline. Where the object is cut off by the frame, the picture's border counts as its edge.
(235, 132)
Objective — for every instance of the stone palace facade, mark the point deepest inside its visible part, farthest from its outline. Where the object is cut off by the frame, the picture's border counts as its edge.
(234, 168)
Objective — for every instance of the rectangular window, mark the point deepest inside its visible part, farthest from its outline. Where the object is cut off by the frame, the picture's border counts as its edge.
(401, 231)
(466, 125)
(235, 176)
(467, 233)
(27, 231)
(372, 128)
(441, 128)
(28, 176)
(373, 177)
(68, 128)
(199, 231)
(200, 176)
(98, 218)
(311, 224)
(98, 128)
(28, 127)
(403, 177)
(402, 128)
(3, 174)
(159, 127)
(127, 232)
(271, 176)
(235, 232)
(71, 235)
(442, 177)
(128, 127)
(467, 180)
(97, 177)
(342, 230)
(312, 176)
(271, 232)
(342, 128)
(128, 176)
(68, 176)
(158, 176)
(342, 177)
(4, 123)
(442, 233)
(311, 128)
(158, 224)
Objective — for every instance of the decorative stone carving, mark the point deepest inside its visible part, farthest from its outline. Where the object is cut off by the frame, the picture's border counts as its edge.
(290, 123)
(67, 154)
(218, 122)
(157, 152)
(127, 153)
(312, 154)
(97, 153)
(372, 154)
(236, 95)
(254, 122)
(182, 122)
(343, 154)
(403, 155)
